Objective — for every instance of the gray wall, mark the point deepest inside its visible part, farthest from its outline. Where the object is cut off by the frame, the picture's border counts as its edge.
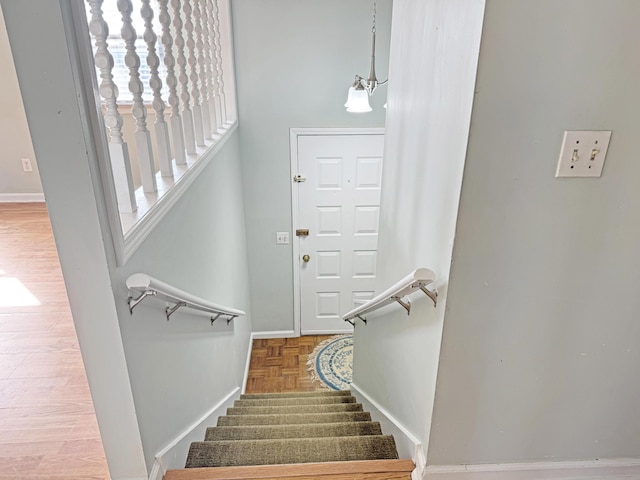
(295, 60)
(434, 53)
(14, 132)
(182, 368)
(540, 350)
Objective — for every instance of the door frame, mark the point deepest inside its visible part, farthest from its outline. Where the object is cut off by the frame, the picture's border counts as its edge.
(294, 133)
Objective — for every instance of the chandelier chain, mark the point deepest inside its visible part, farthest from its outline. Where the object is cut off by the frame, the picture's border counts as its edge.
(373, 26)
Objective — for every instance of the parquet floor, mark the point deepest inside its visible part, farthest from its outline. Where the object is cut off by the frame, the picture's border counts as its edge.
(280, 365)
(48, 428)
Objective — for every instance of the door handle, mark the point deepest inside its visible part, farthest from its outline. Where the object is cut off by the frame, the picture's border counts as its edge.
(306, 258)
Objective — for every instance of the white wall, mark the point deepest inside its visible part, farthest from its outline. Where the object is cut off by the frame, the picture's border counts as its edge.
(180, 369)
(295, 60)
(150, 380)
(540, 349)
(14, 132)
(434, 51)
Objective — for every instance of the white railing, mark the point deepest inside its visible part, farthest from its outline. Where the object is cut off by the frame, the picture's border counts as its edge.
(174, 59)
(148, 286)
(415, 281)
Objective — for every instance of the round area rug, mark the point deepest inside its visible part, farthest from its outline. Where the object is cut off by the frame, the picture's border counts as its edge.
(331, 362)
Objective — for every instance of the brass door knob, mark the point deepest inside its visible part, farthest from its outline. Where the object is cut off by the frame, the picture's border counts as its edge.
(306, 258)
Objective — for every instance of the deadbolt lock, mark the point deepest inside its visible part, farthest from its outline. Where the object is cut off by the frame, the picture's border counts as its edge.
(302, 232)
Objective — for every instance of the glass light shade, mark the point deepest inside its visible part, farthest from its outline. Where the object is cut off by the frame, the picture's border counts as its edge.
(357, 101)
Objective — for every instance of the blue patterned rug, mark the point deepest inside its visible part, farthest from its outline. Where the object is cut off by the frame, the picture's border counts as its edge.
(331, 362)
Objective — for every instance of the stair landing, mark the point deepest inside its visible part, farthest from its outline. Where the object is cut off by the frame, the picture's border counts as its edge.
(357, 470)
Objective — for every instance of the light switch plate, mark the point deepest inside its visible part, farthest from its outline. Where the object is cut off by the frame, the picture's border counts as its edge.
(282, 238)
(583, 153)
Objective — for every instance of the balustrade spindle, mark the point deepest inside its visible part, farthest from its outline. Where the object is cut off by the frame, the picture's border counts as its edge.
(118, 150)
(204, 94)
(207, 20)
(181, 59)
(172, 83)
(139, 110)
(218, 62)
(161, 127)
(193, 75)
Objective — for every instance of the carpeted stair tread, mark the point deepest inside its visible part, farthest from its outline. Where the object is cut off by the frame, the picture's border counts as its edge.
(253, 396)
(290, 409)
(261, 432)
(276, 402)
(298, 450)
(293, 419)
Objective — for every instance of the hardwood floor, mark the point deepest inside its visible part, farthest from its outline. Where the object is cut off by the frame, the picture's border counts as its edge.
(280, 365)
(48, 428)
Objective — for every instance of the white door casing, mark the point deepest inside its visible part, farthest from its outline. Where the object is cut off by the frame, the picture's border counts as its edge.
(338, 202)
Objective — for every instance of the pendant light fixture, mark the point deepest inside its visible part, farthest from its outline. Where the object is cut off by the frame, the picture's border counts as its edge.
(359, 92)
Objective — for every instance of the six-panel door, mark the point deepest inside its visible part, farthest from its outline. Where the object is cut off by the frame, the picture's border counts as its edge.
(339, 204)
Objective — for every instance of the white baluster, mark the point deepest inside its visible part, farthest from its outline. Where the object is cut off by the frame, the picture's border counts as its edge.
(214, 65)
(219, 69)
(207, 20)
(161, 127)
(187, 115)
(139, 110)
(193, 75)
(118, 150)
(172, 83)
(204, 94)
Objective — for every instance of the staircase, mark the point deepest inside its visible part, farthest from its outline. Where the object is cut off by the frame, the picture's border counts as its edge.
(295, 435)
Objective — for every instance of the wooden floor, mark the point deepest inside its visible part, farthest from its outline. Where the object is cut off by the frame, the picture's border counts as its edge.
(48, 428)
(280, 365)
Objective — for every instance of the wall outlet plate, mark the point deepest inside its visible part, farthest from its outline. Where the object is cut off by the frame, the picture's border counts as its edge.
(583, 153)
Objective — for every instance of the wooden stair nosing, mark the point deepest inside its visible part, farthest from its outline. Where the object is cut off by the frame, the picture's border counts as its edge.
(297, 470)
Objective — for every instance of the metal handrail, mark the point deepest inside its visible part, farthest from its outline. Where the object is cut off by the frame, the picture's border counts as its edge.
(416, 280)
(148, 286)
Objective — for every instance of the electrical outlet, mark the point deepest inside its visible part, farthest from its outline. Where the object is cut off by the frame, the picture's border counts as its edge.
(583, 153)
(282, 238)
(26, 165)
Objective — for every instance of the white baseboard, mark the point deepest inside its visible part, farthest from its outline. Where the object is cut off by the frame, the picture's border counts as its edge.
(614, 469)
(406, 442)
(175, 453)
(275, 334)
(21, 197)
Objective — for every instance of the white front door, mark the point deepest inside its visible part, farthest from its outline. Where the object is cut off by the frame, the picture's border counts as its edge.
(338, 202)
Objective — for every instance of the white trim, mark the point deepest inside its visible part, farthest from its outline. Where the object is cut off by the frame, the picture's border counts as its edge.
(21, 197)
(407, 443)
(275, 334)
(294, 133)
(622, 469)
(247, 364)
(328, 332)
(175, 453)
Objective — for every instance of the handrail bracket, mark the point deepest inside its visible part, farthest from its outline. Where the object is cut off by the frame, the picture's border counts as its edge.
(171, 310)
(362, 318)
(213, 319)
(433, 295)
(353, 324)
(406, 305)
(132, 302)
(230, 319)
